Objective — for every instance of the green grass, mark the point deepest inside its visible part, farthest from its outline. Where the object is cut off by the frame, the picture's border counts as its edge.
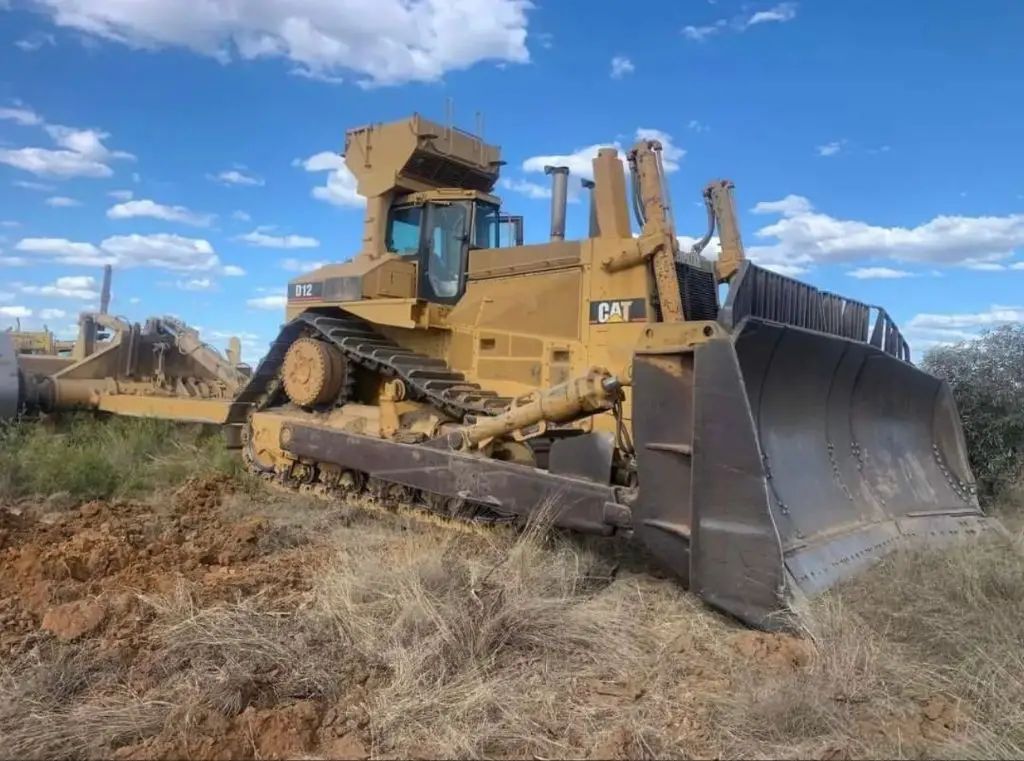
(92, 457)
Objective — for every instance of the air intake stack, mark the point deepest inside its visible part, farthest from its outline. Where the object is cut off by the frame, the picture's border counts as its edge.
(559, 199)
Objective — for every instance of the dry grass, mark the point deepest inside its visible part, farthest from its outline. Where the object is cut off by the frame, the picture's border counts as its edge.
(425, 643)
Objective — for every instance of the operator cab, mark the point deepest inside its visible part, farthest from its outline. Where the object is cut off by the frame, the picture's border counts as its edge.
(438, 229)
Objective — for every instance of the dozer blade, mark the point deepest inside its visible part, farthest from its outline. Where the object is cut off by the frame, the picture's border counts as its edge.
(782, 460)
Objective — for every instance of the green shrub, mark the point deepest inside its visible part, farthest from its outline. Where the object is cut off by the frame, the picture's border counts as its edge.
(93, 457)
(987, 379)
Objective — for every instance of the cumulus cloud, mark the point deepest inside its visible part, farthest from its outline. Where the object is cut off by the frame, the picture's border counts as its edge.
(779, 14)
(580, 163)
(928, 330)
(79, 152)
(52, 314)
(527, 188)
(34, 42)
(15, 312)
(261, 239)
(399, 41)
(804, 236)
(830, 149)
(159, 251)
(61, 202)
(340, 186)
(195, 284)
(121, 195)
(621, 66)
(878, 273)
(75, 287)
(23, 116)
(236, 177)
(148, 208)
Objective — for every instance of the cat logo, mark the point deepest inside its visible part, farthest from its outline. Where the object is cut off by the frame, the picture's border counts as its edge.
(609, 312)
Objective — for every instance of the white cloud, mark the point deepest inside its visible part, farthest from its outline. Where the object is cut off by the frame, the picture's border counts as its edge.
(195, 284)
(297, 265)
(61, 202)
(80, 152)
(15, 312)
(236, 177)
(134, 300)
(121, 195)
(261, 239)
(230, 270)
(830, 149)
(696, 126)
(780, 13)
(75, 287)
(24, 116)
(388, 42)
(790, 206)
(160, 251)
(671, 154)
(926, 331)
(878, 273)
(10, 223)
(13, 261)
(330, 79)
(581, 166)
(34, 42)
(340, 188)
(52, 314)
(529, 189)
(804, 237)
(32, 185)
(268, 302)
(621, 66)
(241, 216)
(148, 208)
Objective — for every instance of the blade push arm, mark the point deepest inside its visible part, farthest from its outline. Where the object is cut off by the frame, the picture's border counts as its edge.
(721, 206)
(650, 204)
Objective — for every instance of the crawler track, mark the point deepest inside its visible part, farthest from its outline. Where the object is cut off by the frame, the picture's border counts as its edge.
(427, 379)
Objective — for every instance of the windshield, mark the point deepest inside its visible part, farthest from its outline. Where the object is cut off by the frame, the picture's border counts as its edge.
(487, 230)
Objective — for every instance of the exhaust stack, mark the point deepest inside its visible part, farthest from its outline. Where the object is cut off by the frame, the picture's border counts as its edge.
(105, 293)
(559, 199)
(595, 228)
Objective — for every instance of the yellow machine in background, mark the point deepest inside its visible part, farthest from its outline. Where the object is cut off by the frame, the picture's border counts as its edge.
(762, 447)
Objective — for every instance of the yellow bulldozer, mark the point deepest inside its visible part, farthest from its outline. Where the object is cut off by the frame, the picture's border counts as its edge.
(762, 446)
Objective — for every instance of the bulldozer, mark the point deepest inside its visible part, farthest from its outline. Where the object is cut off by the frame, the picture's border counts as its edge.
(761, 446)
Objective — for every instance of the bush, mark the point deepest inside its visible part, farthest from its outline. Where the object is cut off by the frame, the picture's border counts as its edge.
(92, 457)
(987, 379)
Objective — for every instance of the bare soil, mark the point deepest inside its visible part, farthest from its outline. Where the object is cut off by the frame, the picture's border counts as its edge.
(218, 621)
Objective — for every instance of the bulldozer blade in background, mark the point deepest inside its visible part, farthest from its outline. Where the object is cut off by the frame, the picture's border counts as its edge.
(782, 461)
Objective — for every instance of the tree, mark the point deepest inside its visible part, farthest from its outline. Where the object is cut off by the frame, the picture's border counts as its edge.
(987, 379)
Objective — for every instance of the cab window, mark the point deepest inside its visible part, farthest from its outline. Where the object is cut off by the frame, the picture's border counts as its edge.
(487, 226)
(404, 227)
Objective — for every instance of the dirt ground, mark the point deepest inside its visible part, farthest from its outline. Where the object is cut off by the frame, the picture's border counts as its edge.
(216, 620)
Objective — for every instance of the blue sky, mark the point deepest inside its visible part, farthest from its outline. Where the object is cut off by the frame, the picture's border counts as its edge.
(874, 145)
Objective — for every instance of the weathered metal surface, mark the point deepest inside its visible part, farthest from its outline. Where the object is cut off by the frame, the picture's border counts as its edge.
(785, 460)
(588, 456)
(863, 451)
(514, 490)
(10, 382)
